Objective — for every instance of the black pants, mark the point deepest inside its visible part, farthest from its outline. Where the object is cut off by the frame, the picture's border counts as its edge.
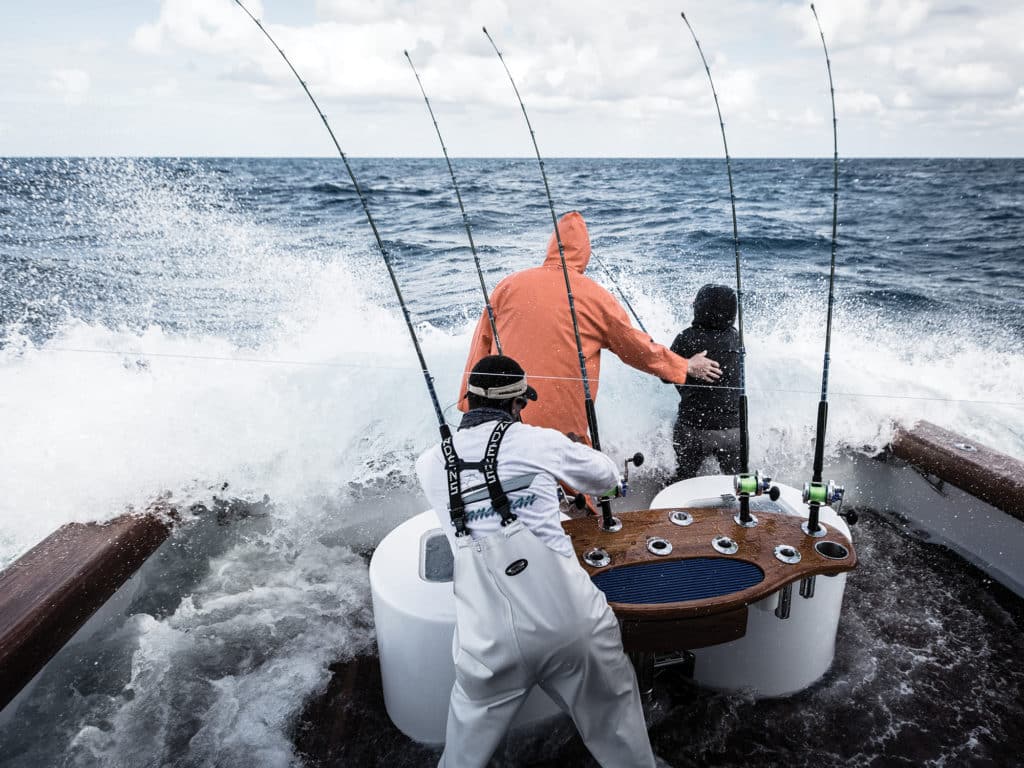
(694, 445)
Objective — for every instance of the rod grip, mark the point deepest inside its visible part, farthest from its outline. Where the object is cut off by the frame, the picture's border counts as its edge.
(819, 441)
(595, 439)
(744, 436)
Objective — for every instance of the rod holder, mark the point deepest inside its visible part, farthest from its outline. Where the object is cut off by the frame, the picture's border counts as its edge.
(807, 587)
(785, 602)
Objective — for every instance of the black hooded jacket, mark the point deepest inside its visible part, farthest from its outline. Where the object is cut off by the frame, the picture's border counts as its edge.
(700, 405)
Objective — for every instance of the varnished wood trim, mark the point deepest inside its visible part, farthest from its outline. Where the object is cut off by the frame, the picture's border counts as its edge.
(991, 476)
(673, 634)
(52, 590)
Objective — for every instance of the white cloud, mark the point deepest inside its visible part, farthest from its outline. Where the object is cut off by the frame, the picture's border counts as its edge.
(969, 78)
(858, 103)
(856, 22)
(559, 57)
(207, 26)
(71, 85)
(615, 64)
(1015, 110)
(148, 38)
(165, 90)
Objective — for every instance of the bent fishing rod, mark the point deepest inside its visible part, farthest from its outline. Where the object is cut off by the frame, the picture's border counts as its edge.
(747, 483)
(608, 522)
(462, 208)
(816, 492)
(446, 434)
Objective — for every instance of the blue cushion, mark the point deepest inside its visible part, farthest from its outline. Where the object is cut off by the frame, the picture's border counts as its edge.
(677, 581)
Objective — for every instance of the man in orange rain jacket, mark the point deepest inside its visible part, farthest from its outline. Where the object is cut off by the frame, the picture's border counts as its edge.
(531, 309)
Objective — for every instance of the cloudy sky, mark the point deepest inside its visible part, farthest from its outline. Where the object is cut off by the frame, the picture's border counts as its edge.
(599, 77)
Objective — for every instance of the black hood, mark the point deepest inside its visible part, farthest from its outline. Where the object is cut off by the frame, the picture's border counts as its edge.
(714, 307)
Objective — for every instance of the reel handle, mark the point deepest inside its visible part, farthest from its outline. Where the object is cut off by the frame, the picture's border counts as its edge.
(636, 460)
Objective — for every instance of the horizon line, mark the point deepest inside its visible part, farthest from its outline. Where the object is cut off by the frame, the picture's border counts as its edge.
(506, 157)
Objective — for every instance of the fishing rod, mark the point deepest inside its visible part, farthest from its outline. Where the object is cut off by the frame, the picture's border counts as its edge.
(816, 492)
(747, 483)
(620, 291)
(465, 218)
(608, 522)
(446, 434)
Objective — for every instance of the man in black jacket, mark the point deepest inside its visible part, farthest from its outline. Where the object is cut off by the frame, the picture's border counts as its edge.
(708, 420)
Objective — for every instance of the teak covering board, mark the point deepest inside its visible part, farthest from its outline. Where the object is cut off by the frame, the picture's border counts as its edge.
(52, 590)
(990, 475)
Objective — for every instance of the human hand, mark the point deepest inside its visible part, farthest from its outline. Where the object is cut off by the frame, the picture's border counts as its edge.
(702, 367)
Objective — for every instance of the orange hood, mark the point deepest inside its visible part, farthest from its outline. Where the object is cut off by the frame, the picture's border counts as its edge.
(575, 243)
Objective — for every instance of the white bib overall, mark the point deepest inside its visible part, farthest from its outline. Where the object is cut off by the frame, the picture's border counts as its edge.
(525, 616)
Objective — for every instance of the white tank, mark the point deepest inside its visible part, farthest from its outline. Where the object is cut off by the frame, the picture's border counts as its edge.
(414, 613)
(776, 657)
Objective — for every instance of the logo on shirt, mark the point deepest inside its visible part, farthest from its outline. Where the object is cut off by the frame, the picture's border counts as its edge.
(516, 568)
(520, 503)
(479, 493)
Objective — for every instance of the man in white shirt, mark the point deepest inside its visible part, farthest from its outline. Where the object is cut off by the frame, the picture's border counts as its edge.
(526, 613)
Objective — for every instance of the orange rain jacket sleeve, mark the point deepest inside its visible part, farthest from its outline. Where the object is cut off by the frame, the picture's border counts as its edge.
(535, 327)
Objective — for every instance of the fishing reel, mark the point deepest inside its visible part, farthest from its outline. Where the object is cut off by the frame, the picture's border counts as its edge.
(754, 484)
(819, 495)
(824, 494)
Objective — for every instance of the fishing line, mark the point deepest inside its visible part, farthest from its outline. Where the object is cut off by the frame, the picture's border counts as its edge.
(817, 493)
(746, 483)
(465, 218)
(608, 522)
(360, 366)
(443, 425)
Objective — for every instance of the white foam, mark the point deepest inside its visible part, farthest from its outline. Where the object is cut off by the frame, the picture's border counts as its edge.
(336, 399)
(221, 679)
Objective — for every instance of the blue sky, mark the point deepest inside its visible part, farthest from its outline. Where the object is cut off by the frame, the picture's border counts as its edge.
(600, 78)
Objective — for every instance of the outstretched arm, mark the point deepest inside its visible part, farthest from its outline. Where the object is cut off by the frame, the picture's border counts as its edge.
(635, 348)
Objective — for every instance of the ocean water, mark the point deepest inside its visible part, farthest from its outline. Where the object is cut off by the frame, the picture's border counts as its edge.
(171, 325)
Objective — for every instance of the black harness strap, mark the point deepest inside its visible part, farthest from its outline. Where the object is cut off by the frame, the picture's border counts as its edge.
(488, 466)
(452, 466)
(490, 469)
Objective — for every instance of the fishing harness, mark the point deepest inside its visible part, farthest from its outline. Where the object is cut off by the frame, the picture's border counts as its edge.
(488, 466)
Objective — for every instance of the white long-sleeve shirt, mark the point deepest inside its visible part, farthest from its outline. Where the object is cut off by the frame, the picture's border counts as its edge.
(530, 462)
